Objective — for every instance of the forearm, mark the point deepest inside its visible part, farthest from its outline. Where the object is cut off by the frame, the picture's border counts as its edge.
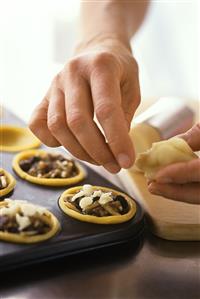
(118, 19)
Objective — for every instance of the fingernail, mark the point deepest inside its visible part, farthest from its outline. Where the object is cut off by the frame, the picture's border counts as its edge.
(149, 182)
(112, 167)
(164, 180)
(153, 189)
(124, 161)
(150, 187)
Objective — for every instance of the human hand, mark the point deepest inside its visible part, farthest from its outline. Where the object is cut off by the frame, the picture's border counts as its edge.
(181, 181)
(102, 81)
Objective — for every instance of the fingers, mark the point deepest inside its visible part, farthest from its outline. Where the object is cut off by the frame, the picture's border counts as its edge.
(58, 127)
(193, 137)
(79, 111)
(91, 86)
(106, 95)
(38, 124)
(189, 193)
(130, 96)
(180, 173)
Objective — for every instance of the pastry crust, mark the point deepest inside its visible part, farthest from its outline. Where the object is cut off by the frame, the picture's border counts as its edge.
(22, 237)
(11, 183)
(14, 139)
(45, 181)
(95, 219)
(164, 153)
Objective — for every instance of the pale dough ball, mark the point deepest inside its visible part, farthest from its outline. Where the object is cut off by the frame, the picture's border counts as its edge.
(162, 154)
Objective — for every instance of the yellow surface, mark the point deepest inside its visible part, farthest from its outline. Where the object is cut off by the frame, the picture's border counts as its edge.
(11, 183)
(21, 237)
(14, 139)
(95, 219)
(44, 181)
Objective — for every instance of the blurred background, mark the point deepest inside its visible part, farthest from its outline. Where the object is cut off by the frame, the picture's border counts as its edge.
(37, 37)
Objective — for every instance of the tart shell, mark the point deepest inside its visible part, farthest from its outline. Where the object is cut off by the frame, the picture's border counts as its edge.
(14, 139)
(96, 219)
(11, 183)
(23, 238)
(45, 181)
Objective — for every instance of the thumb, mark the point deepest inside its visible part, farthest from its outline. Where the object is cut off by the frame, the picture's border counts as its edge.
(192, 137)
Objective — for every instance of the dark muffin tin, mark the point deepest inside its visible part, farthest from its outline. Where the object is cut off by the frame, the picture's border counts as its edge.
(75, 236)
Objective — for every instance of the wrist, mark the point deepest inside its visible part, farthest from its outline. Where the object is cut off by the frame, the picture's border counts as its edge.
(103, 41)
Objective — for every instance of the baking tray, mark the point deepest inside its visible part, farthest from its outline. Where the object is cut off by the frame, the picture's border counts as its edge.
(75, 236)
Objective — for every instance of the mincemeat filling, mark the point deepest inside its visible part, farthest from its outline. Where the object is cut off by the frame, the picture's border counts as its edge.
(10, 225)
(49, 166)
(118, 206)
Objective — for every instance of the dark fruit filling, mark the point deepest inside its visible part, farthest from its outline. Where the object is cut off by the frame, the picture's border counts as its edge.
(49, 166)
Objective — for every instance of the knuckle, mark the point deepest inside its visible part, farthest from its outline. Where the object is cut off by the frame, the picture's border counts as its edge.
(57, 79)
(36, 126)
(33, 125)
(102, 59)
(75, 121)
(54, 123)
(73, 65)
(104, 111)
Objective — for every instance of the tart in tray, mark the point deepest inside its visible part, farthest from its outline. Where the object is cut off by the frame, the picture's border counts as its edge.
(23, 222)
(14, 139)
(97, 204)
(7, 182)
(45, 168)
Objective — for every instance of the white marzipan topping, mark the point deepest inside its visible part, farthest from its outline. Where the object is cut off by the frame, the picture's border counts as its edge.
(105, 198)
(22, 221)
(17, 207)
(3, 181)
(28, 209)
(77, 195)
(85, 202)
(87, 189)
(97, 193)
(89, 195)
(9, 211)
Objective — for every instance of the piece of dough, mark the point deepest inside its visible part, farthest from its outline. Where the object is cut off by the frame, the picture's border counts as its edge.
(45, 181)
(11, 183)
(95, 219)
(23, 236)
(14, 139)
(164, 153)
